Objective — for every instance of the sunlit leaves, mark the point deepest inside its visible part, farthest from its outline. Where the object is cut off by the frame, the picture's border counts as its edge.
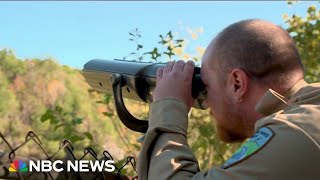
(167, 46)
(305, 32)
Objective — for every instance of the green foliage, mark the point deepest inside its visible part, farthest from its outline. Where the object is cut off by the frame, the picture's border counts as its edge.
(305, 31)
(66, 125)
(10, 64)
(34, 90)
(8, 99)
(167, 42)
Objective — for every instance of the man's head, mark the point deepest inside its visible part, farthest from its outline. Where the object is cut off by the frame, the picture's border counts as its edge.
(239, 65)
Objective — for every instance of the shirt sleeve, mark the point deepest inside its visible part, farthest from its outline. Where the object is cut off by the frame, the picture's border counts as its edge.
(165, 152)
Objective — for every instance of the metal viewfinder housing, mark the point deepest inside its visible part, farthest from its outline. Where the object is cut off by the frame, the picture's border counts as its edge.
(133, 80)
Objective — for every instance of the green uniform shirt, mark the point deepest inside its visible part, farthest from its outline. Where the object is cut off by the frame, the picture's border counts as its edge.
(285, 144)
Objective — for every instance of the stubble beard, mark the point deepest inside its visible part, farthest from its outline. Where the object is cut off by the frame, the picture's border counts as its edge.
(230, 129)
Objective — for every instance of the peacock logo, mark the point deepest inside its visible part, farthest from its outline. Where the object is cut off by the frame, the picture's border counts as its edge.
(18, 164)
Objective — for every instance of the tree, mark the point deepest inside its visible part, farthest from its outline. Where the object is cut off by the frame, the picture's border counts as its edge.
(305, 31)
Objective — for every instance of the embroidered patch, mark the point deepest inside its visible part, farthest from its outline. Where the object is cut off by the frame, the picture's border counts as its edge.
(253, 145)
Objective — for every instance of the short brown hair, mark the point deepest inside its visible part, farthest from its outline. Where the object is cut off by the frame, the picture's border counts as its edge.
(266, 52)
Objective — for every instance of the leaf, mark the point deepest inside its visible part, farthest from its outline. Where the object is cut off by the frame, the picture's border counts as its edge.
(170, 35)
(139, 46)
(162, 41)
(48, 115)
(170, 54)
(75, 138)
(154, 54)
(54, 120)
(77, 121)
(312, 9)
(179, 40)
(88, 135)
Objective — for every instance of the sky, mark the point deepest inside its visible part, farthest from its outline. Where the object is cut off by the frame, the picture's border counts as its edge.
(75, 32)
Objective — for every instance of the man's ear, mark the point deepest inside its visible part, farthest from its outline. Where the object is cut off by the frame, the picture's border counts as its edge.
(238, 83)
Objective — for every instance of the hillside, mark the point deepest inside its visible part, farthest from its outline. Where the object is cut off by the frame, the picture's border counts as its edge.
(30, 88)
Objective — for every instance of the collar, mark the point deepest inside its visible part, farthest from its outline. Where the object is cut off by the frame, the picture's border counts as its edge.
(272, 101)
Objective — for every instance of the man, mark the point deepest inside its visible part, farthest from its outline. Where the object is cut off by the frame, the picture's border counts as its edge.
(255, 89)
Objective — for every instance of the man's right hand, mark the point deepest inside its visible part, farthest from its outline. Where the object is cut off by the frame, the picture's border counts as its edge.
(175, 81)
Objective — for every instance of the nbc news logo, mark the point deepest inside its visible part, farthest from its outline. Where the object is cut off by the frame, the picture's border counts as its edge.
(18, 165)
(77, 166)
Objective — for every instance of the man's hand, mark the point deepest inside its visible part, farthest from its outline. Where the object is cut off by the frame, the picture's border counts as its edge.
(174, 81)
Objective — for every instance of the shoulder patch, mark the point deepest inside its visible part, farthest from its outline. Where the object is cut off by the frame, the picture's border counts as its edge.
(253, 145)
